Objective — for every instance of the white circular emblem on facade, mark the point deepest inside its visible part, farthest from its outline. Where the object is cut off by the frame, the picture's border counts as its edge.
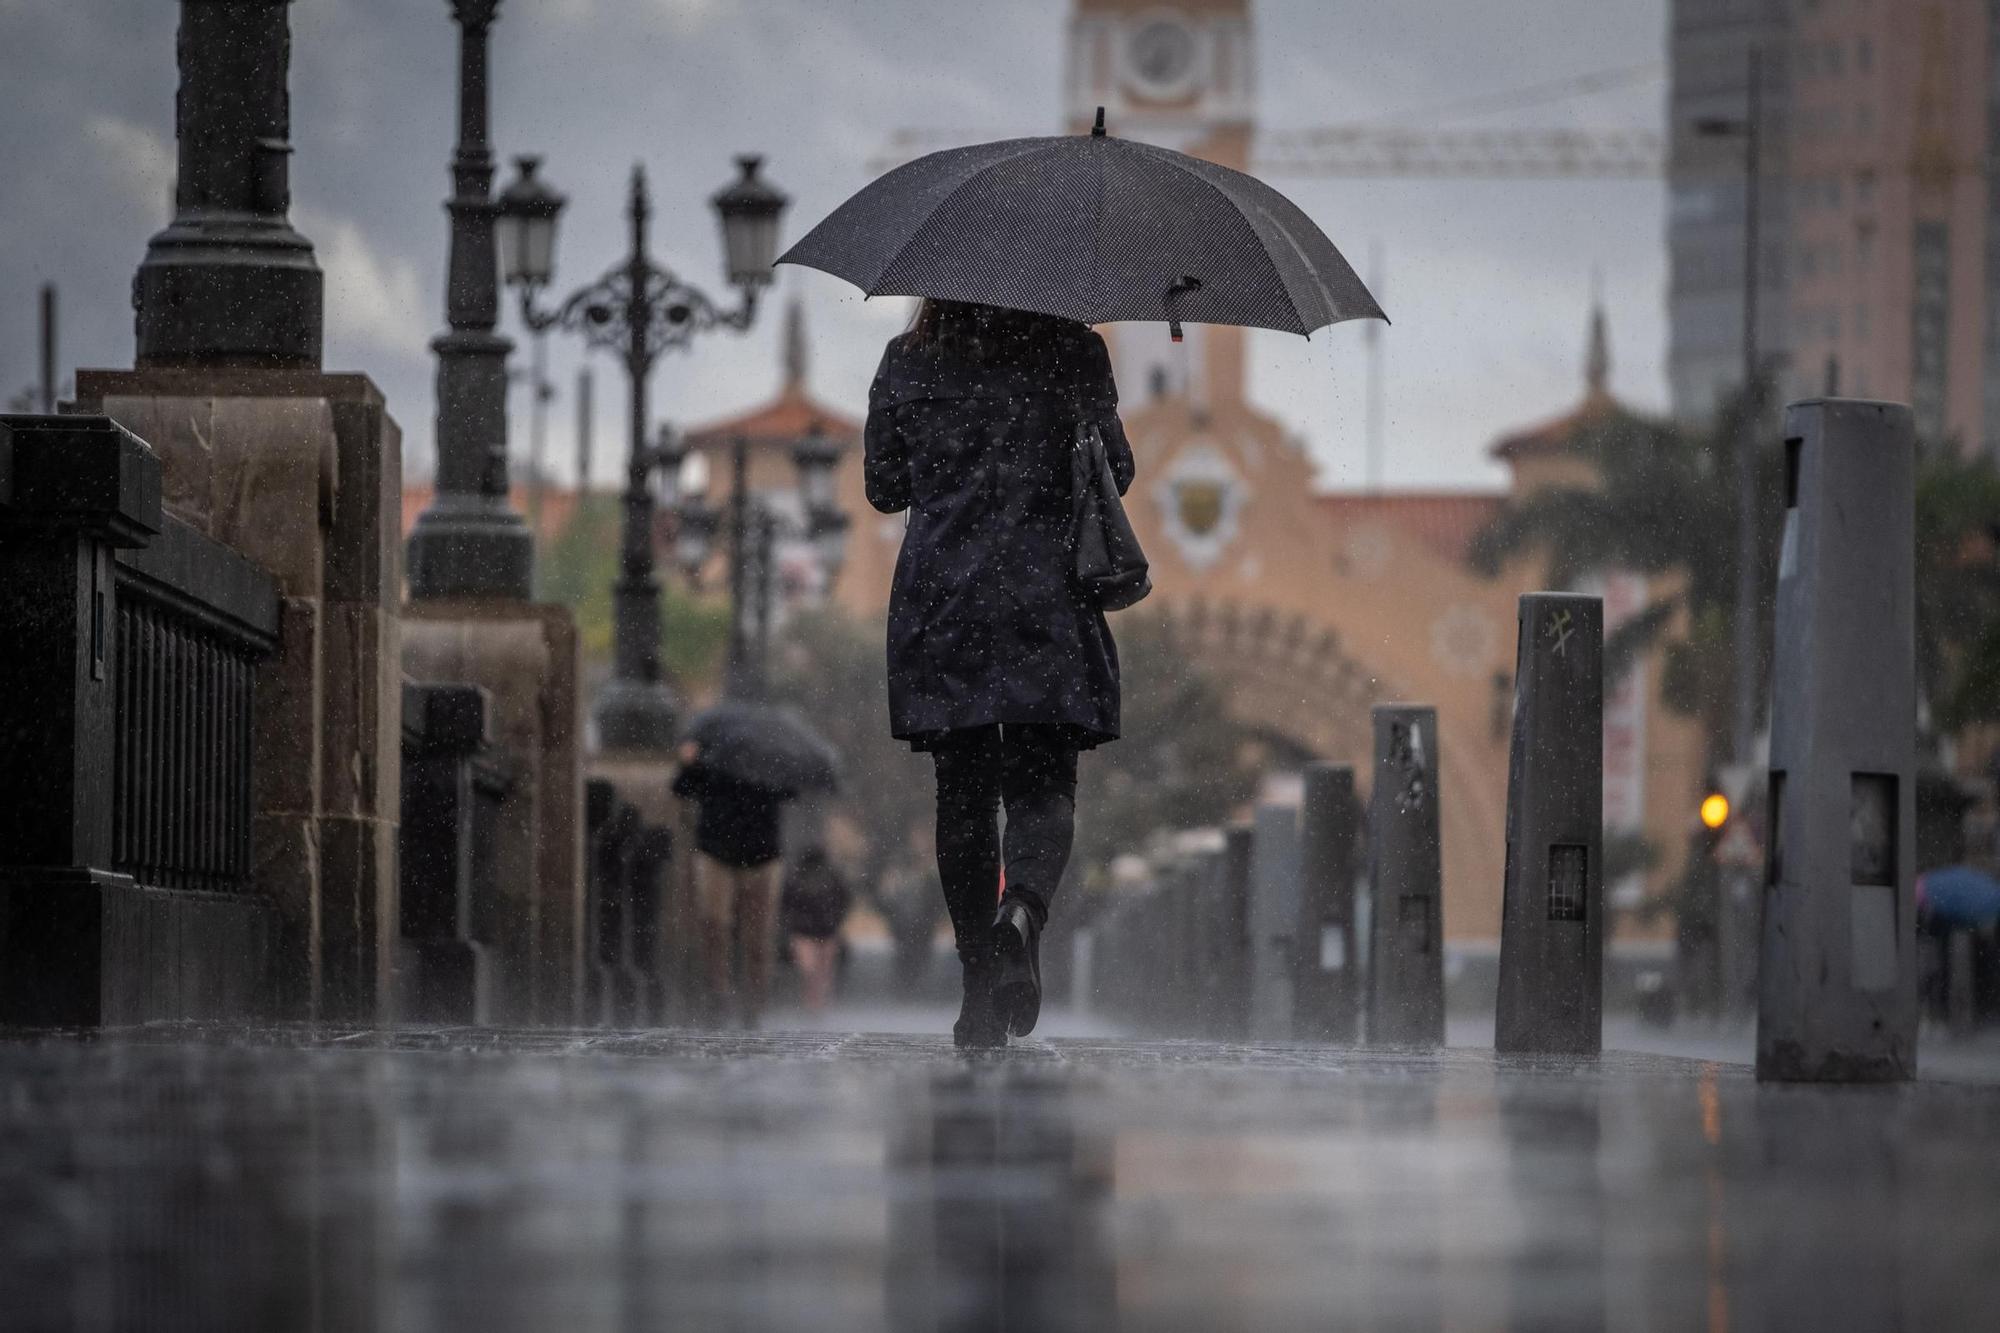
(1201, 503)
(1463, 640)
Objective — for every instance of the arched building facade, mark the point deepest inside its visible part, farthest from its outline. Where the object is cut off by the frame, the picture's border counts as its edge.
(1308, 608)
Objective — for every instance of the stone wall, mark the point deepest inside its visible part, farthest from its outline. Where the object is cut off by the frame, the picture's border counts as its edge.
(300, 472)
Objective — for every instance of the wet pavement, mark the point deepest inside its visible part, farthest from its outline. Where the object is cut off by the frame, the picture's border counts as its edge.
(283, 1179)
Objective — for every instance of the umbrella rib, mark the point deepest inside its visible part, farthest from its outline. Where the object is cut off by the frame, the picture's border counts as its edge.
(1169, 158)
(1031, 145)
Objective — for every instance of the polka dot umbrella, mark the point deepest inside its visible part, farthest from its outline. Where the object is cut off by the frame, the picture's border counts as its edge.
(1092, 228)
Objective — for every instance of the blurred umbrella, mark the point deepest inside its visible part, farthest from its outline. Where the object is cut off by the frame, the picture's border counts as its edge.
(764, 745)
(1091, 228)
(1959, 896)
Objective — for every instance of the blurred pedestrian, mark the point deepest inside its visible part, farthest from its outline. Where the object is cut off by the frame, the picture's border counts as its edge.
(736, 885)
(1000, 665)
(813, 907)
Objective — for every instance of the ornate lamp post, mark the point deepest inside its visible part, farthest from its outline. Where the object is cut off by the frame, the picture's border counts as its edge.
(753, 527)
(469, 543)
(639, 310)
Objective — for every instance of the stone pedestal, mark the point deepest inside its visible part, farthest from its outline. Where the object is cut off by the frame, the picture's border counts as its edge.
(1837, 999)
(525, 656)
(1551, 997)
(301, 473)
(450, 805)
(667, 938)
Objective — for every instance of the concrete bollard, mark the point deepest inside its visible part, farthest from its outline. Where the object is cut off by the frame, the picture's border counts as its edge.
(1836, 984)
(1326, 1005)
(1406, 928)
(1274, 916)
(1551, 999)
(1230, 894)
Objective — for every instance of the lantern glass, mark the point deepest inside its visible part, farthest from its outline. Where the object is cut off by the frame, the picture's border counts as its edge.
(694, 536)
(815, 457)
(749, 209)
(524, 227)
(830, 542)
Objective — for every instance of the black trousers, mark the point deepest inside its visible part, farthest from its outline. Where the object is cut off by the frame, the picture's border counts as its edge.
(1031, 770)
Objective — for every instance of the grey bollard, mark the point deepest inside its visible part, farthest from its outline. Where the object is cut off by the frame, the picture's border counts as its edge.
(1406, 926)
(1274, 915)
(1232, 926)
(1551, 999)
(1326, 997)
(1836, 982)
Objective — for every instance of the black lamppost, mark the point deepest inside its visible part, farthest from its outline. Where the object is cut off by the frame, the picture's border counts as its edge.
(469, 542)
(753, 527)
(638, 310)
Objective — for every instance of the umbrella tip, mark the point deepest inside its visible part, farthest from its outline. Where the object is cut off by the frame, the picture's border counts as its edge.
(1097, 130)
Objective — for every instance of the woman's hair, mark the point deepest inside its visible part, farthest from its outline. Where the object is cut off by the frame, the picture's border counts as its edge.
(988, 333)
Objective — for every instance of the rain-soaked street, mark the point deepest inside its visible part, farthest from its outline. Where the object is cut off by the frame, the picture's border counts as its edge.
(278, 1179)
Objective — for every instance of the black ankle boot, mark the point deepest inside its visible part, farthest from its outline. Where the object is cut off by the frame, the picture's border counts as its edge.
(978, 1027)
(1017, 977)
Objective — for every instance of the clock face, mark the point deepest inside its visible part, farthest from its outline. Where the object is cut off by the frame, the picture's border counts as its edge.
(1161, 55)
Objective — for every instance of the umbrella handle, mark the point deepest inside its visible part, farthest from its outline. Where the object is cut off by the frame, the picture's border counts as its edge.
(1179, 289)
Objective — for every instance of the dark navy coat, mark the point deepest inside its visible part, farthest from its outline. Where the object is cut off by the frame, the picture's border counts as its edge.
(985, 624)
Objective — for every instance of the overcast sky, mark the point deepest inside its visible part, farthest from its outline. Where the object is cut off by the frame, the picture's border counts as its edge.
(1488, 283)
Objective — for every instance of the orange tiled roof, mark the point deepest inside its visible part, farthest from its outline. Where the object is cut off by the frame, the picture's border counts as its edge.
(1597, 408)
(1444, 521)
(787, 417)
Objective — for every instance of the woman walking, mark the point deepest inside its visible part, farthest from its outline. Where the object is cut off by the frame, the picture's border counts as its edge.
(999, 666)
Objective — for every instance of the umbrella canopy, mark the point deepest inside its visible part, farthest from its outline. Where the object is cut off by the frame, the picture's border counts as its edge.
(1091, 228)
(1959, 895)
(764, 745)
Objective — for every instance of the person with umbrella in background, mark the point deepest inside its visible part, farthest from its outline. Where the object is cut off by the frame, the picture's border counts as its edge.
(742, 760)
(993, 423)
(814, 906)
(737, 839)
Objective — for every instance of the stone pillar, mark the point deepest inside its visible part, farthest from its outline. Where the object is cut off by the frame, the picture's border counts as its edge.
(300, 472)
(1836, 986)
(446, 971)
(1327, 998)
(525, 656)
(1551, 998)
(1274, 918)
(1406, 949)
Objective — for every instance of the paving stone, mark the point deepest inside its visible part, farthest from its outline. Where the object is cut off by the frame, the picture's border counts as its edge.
(292, 1177)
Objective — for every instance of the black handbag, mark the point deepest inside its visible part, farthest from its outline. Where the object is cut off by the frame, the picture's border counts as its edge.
(1110, 567)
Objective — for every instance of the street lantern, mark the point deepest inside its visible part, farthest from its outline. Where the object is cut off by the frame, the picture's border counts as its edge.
(670, 454)
(814, 455)
(828, 530)
(525, 227)
(749, 208)
(695, 526)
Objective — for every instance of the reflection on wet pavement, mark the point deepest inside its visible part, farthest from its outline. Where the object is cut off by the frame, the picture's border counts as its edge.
(278, 1179)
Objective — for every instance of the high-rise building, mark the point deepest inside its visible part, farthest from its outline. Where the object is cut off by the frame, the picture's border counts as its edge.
(1880, 227)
